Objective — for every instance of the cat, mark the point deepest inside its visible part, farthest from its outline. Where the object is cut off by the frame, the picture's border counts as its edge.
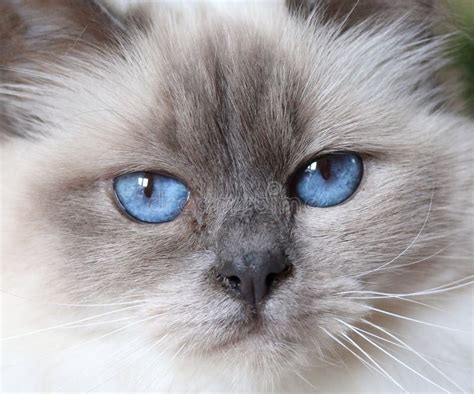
(233, 197)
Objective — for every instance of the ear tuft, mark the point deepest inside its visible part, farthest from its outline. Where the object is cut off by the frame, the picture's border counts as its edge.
(35, 33)
(29, 27)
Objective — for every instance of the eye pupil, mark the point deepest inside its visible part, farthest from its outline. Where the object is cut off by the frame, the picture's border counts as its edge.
(324, 166)
(147, 183)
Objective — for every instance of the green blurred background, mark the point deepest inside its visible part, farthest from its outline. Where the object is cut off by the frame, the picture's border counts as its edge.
(464, 11)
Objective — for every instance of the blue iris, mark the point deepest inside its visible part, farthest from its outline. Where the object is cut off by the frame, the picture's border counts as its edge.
(151, 198)
(329, 180)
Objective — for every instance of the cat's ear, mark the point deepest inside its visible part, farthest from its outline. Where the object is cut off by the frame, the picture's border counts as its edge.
(352, 12)
(29, 28)
(36, 34)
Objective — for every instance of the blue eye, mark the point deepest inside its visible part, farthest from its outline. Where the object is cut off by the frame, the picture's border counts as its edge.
(329, 180)
(149, 197)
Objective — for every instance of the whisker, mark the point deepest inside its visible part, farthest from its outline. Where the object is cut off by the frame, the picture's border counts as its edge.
(373, 361)
(76, 305)
(411, 243)
(378, 369)
(434, 290)
(152, 382)
(382, 339)
(414, 352)
(111, 356)
(445, 286)
(305, 380)
(141, 353)
(68, 324)
(61, 353)
(80, 345)
(411, 319)
(390, 296)
(334, 353)
(100, 323)
(151, 366)
(423, 259)
(354, 329)
(114, 332)
(321, 357)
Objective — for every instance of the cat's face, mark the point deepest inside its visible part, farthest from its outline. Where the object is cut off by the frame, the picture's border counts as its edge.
(235, 107)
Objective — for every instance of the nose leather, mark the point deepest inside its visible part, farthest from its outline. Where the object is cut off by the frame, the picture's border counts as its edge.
(254, 274)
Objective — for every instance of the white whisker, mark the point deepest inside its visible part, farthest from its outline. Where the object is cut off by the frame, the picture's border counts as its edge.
(446, 286)
(141, 353)
(382, 339)
(434, 290)
(411, 243)
(100, 323)
(354, 329)
(68, 324)
(414, 352)
(75, 347)
(376, 369)
(305, 380)
(380, 295)
(76, 305)
(423, 259)
(375, 363)
(411, 319)
(351, 351)
(111, 356)
(152, 382)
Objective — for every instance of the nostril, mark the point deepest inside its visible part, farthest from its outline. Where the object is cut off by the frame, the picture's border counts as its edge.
(272, 278)
(286, 271)
(229, 281)
(253, 276)
(234, 282)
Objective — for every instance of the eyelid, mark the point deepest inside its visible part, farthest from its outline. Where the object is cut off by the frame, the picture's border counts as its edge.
(184, 180)
(309, 158)
(365, 155)
(119, 206)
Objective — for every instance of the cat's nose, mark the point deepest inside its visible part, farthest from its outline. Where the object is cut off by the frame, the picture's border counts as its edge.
(253, 275)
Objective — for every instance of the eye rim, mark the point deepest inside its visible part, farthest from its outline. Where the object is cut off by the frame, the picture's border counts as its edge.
(123, 211)
(300, 169)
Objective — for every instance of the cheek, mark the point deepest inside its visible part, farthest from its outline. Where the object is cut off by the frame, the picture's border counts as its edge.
(374, 226)
(66, 223)
(105, 251)
(30, 247)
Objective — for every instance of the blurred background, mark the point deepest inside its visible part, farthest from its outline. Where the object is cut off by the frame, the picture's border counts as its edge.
(464, 11)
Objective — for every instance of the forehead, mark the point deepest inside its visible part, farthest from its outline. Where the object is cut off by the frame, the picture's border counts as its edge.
(228, 103)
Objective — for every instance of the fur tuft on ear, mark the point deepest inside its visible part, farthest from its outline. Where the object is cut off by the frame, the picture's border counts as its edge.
(39, 25)
(34, 33)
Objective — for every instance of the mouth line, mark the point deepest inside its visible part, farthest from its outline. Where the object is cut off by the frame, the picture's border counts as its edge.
(252, 328)
(235, 341)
